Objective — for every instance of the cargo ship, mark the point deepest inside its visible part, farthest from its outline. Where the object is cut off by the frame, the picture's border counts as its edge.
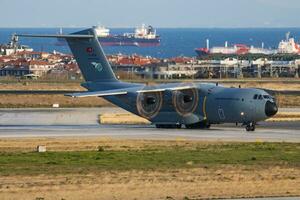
(287, 46)
(143, 36)
(236, 49)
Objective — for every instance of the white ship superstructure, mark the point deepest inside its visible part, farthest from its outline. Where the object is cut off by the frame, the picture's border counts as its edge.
(101, 31)
(288, 46)
(145, 32)
(13, 46)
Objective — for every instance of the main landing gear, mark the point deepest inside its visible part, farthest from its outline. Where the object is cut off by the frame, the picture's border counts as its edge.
(199, 125)
(174, 126)
(250, 126)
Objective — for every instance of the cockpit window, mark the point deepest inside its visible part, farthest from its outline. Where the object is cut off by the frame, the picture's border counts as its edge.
(260, 97)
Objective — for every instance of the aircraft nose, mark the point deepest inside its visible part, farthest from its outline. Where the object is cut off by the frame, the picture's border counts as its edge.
(271, 108)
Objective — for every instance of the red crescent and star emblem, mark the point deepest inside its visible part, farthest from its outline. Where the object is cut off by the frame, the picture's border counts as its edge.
(89, 49)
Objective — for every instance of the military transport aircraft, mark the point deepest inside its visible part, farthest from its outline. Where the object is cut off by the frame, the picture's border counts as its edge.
(194, 105)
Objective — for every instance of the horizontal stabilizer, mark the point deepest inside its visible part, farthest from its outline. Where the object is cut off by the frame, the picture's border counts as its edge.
(98, 93)
(166, 89)
(56, 36)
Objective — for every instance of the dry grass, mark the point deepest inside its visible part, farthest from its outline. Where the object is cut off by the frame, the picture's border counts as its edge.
(41, 86)
(88, 144)
(121, 118)
(202, 182)
(198, 183)
(285, 116)
(20, 101)
(285, 101)
(266, 85)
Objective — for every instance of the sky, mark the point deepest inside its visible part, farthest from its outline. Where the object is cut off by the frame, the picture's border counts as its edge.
(158, 13)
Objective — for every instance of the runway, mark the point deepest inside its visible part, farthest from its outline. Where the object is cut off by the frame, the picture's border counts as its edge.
(82, 122)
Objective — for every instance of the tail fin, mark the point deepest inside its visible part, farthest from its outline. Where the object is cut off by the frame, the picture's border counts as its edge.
(89, 55)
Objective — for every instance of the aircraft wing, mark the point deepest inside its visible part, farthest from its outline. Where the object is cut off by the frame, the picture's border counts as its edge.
(166, 89)
(98, 93)
(123, 91)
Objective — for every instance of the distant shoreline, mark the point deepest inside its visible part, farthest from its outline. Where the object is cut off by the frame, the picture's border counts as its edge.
(79, 27)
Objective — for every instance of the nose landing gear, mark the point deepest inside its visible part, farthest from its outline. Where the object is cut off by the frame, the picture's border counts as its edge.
(250, 126)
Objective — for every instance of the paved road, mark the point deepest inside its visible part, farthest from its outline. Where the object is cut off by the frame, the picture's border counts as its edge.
(83, 122)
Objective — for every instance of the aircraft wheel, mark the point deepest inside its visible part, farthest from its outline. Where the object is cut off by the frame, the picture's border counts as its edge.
(168, 126)
(250, 126)
(158, 125)
(199, 125)
(178, 126)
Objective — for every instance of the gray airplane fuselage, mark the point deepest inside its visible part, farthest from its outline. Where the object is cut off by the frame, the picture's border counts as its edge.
(216, 104)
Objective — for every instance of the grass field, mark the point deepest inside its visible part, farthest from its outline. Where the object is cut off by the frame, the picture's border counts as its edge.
(103, 168)
(150, 158)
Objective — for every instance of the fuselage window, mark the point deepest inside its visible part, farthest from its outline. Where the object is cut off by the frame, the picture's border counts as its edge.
(255, 96)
